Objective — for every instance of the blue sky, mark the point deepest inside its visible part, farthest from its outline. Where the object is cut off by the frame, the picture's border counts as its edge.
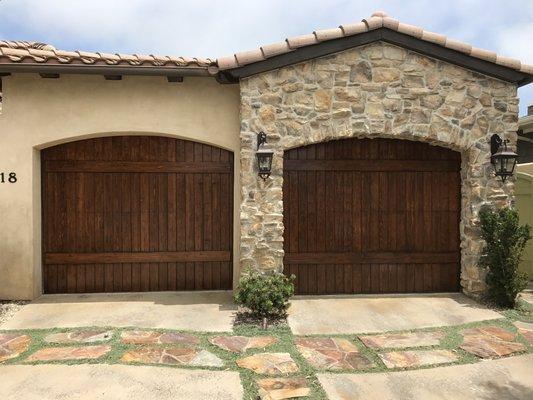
(216, 28)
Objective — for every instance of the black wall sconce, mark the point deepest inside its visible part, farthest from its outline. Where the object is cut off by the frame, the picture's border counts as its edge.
(264, 156)
(503, 160)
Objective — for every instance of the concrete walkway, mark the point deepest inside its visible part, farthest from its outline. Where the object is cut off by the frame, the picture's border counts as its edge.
(527, 295)
(502, 379)
(196, 311)
(366, 314)
(117, 382)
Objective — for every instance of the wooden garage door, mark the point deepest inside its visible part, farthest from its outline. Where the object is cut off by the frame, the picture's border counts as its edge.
(132, 213)
(372, 216)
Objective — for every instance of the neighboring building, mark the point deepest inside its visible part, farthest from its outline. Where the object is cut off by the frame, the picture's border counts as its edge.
(525, 142)
(137, 173)
(524, 182)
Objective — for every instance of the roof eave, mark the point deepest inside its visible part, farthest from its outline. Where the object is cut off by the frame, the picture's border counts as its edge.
(8, 68)
(381, 34)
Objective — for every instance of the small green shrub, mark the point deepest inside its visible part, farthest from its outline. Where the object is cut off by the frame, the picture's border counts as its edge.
(265, 294)
(505, 242)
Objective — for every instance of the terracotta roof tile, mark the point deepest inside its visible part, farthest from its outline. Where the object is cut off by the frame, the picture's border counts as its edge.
(301, 41)
(483, 54)
(509, 62)
(390, 23)
(24, 45)
(526, 68)
(248, 57)
(22, 51)
(434, 38)
(227, 62)
(127, 57)
(373, 22)
(328, 34)
(13, 54)
(274, 49)
(354, 29)
(410, 30)
(458, 46)
(144, 58)
(377, 20)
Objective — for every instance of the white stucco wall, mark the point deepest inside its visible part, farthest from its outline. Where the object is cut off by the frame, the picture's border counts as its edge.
(38, 113)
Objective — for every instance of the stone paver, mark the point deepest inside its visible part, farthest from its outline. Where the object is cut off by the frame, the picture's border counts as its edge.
(116, 382)
(491, 341)
(184, 311)
(402, 340)
(239, 344)
(80, 336)
(417, 358)
(173, 356)
(508, 378)
(69, 353)
(526, 330)
(364, 314)
(332, 353)
(153, 337)
(12, 345)
(269, 363)
(282, 388)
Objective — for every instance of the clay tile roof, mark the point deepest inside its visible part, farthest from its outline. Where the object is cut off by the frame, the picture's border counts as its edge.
(24, 53)
(274, 49)
(377, 20)
(20, 44)
(302, 41)
(35, 52)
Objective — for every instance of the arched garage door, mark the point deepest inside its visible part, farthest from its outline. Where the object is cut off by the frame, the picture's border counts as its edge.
(372, 216)
(134, 213)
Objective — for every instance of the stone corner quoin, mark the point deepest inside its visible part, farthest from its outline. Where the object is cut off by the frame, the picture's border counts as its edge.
(375, 91)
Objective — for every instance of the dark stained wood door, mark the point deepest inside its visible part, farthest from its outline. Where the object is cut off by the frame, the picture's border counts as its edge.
(372, 216)
(136, 213)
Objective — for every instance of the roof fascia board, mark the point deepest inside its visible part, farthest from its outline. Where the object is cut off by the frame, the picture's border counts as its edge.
(102, 70)
(387, 35)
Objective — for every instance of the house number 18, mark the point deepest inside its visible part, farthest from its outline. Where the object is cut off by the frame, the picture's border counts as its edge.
(10, 177)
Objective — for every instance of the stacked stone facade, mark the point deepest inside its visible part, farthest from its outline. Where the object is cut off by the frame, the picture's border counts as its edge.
(378, 90)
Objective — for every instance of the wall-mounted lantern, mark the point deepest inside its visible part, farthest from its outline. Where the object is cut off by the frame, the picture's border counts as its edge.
(264, 156)
(503, 160)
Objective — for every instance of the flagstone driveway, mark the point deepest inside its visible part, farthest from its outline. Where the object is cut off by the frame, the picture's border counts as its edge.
(244, 361)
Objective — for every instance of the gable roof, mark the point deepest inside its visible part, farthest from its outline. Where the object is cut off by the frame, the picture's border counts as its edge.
(384, 28)
(20, 56)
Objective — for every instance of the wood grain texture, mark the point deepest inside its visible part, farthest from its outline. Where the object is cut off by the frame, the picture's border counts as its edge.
(136, 213)
(372, 216)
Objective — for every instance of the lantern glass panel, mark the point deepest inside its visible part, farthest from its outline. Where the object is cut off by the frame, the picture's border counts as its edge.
(265, 161)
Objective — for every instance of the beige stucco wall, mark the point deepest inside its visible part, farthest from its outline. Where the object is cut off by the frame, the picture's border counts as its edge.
(38, 113)
(525, 168)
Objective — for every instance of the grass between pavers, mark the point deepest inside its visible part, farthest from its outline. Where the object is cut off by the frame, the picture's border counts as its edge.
(281, 331)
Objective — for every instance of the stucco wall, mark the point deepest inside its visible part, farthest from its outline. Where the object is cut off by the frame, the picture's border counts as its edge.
(38, 113)
(378, 90)
(525, 168)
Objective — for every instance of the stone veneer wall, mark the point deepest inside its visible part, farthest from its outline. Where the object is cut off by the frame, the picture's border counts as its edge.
(378, 90)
